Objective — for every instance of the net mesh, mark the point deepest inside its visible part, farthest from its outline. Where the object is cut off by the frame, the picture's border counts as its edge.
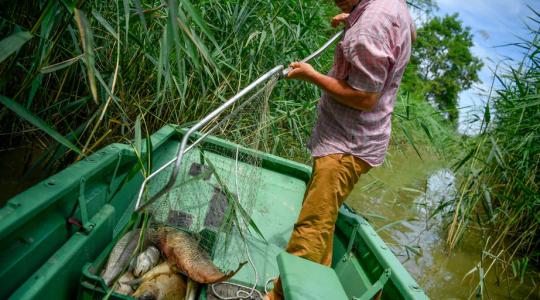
(217, 186)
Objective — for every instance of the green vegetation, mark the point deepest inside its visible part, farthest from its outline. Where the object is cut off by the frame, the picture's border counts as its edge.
(82, 74)
(499, 192)
(442, 64)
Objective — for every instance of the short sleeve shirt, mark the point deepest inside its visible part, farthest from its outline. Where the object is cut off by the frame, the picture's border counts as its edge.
(371, 57)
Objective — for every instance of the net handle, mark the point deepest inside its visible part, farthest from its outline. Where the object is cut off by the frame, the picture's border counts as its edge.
(318, 52)
(184, 147)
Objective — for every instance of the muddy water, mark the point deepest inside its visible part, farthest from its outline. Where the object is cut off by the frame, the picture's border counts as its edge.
(398, 199)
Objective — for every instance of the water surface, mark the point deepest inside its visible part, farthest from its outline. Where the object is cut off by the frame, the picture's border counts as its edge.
(399, 199)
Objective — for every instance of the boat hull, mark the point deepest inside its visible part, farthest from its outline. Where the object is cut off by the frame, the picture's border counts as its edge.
(61, 231)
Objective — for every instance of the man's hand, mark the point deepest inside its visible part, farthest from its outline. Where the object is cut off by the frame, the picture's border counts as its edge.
(341, 18)
(301, 71)
(340, 90)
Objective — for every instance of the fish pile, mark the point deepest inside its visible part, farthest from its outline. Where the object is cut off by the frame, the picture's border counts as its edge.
(171, 266)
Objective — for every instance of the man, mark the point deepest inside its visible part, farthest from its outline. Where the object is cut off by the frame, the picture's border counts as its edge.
(354, 115)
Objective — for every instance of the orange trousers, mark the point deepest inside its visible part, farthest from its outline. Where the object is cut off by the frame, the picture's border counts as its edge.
(332, 180)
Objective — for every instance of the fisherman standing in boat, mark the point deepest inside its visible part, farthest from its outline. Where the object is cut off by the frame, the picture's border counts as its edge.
(352, 131)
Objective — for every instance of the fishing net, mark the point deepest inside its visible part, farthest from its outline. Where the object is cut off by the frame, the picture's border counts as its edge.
(217, 185)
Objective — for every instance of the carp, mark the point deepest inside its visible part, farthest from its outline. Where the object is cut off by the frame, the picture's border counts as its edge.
(160, 283)
(183, 252)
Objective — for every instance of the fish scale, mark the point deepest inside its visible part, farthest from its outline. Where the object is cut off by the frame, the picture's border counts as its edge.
(120, 256)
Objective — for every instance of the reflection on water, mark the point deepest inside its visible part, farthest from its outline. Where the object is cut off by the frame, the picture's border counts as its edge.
(441, 188)
(399, 199)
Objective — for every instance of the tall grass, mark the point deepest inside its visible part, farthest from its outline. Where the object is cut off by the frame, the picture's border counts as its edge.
(76, 75)
(499, 192)
(418, 125)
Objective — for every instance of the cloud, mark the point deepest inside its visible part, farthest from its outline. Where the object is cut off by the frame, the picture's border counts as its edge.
(486, 7)
(499, 18)
(493, 23)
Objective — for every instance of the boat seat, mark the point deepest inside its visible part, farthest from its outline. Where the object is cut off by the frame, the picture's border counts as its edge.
(304, 279)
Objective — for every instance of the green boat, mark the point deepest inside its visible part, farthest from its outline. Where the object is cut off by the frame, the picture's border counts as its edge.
(56, 236)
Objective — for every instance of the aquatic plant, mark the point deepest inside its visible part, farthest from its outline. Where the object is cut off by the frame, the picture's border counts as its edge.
(499, 192)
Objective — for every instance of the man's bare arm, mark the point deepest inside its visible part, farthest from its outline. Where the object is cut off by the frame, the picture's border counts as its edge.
(340, 90)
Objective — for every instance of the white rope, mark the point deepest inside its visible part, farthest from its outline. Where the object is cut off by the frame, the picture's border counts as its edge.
(241, 294)
(238, 293)
(266, 284)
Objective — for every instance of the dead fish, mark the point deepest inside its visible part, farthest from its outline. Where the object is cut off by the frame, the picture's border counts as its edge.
(120, 256)
(183, 252)
(162, 268)
(146, 260)
(161, 283)
(123, 287)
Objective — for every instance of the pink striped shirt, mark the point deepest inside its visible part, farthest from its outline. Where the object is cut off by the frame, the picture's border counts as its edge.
(371, 57)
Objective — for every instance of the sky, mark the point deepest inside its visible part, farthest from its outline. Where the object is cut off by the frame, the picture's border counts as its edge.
(493, 23)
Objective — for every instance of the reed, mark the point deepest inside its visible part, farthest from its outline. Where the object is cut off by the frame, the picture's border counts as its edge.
(499, 192)
(77, 75)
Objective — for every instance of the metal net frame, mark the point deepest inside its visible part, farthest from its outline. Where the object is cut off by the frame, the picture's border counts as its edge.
(211, 191)
(214, 188)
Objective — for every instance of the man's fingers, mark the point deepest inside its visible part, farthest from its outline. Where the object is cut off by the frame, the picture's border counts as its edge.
(335, 22)
(296, 65)
(291, 74)
(294, 72)
(341, 18)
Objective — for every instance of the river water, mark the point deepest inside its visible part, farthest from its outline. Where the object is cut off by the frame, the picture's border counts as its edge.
(398, 199)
